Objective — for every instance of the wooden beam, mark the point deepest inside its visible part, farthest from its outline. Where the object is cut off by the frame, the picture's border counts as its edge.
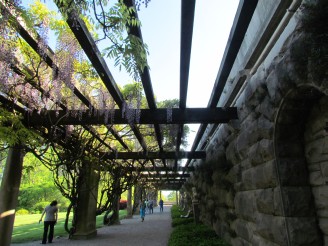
(240, 25)
(164, 169)
(156, 155)
(187, 24)
(147, 116)
(165, 181)
(90, 48)
(177, 176)
(145, 75)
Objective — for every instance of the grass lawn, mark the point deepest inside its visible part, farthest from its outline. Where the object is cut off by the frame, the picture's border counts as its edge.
(27, 227)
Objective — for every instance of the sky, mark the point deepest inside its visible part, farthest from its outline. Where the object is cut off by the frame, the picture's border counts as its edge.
(161, 32)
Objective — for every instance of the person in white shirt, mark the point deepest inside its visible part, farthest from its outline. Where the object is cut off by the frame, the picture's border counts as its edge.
(51, 212)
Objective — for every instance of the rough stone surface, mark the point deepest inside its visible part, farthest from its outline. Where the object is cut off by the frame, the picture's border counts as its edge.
(267, 184)
(265, 201)
(303, 231)
(271, 228)
(292, 171)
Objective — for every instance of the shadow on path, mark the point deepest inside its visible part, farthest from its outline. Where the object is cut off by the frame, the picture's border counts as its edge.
(154, 231)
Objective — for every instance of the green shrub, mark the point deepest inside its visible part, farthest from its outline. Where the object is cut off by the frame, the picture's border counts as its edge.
(40, 206)
(175, 212)
(22, 212)
(186, 232)
(194, 235)
(181, 221)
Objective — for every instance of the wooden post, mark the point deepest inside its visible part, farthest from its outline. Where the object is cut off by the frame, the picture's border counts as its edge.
(9, 192)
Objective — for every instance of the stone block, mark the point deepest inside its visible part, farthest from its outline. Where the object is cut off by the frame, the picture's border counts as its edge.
(316, 178)
(224, 198)
(216, 177)
(244, 229)
(314, 167)
(323, 224)
(324, 168)
(249, 120)
(264, 127)
(216, 154)
(232, 155)
(319, 117)
(273, 90)
(227, 215)
(320, 194)
(316, 151)
(271, 228)
(243, 144)
(277, 202)
(291, 116)
(217, 227)
(242, 110)
(284, 83)
(245, 164)
(255, 91)
(286, 134)
(298, 201)
(303, 231)
(233, 175)
(265, 201)
(289, 150)
(260, 241)
(245, 205)
(229, 200)
(210, 205)
(266, 109)
(322, 213)
(240, 242)
(292, 171)
(261, 152)
(259, 177)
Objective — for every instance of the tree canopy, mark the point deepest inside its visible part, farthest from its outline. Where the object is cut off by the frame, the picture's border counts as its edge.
(35, 78)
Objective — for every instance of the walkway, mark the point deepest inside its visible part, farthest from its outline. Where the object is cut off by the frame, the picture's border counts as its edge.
(154, 231)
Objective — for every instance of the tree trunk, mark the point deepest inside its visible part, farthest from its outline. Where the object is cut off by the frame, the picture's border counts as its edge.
(9, 192)
(129, 204)
(115, 218)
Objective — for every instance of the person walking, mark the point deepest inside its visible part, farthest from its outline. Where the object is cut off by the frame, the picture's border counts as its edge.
(161, 204)
(51, 212)
(142, 210)
(151, 207)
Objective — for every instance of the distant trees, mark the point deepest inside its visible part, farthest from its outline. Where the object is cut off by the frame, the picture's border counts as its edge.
(37, 187)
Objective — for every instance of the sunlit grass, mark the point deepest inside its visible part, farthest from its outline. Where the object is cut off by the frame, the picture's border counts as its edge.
(27, 227)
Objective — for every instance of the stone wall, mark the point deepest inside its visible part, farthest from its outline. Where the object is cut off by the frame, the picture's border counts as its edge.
(264, 179)
(316, 152)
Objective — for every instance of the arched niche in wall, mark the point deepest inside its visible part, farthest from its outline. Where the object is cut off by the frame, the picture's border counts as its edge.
(296, 197)
(316, 154)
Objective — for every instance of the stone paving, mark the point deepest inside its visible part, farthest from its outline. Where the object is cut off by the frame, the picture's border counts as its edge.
(154, 231)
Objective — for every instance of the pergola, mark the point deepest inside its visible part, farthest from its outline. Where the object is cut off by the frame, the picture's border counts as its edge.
(160, 174)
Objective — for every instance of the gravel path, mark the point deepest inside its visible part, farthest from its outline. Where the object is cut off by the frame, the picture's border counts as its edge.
(154, 231)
